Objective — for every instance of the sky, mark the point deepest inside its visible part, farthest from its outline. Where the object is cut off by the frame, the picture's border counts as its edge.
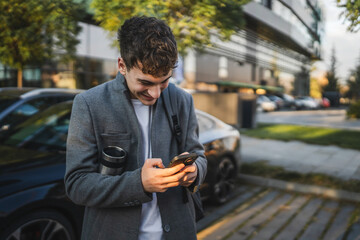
(347, 44)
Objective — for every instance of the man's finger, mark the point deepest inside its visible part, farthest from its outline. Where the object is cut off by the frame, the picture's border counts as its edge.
(173, 178)
(173, 170)
(184, 153)
(190, 168)
(154, 162)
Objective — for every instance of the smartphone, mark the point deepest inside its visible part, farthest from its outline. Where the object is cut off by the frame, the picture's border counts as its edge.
(186, 159)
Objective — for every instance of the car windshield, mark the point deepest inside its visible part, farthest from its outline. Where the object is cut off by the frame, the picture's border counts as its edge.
(6, 101)
(264, 98)
(45, 130)
(205, 124)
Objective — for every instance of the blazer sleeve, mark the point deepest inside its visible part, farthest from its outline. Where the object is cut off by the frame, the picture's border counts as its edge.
(83, 184)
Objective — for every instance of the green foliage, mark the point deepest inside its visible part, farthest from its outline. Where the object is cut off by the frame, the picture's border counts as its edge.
(351, 12)
(354, 110)
(33, 31)
(331, 74)
(192, 21)
(307, 134)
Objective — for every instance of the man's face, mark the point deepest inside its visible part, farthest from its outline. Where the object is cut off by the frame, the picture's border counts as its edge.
(142, 86)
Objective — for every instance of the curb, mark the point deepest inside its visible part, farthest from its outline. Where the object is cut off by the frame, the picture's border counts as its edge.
(301, 188)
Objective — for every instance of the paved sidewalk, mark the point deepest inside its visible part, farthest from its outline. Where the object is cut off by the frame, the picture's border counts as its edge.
(302, 157)
(274, 209)
(269, 213)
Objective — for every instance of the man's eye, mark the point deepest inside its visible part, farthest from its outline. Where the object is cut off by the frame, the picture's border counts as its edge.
(165, 81)
(146, 83)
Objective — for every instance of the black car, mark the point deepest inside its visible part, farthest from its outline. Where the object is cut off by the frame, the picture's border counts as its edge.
(18, 104)
(33, 203)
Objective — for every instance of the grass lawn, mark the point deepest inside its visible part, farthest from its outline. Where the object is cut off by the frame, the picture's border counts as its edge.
(307, 134)
(262, 169)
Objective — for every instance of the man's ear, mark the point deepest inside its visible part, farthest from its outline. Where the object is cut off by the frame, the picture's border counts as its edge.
(121, 66)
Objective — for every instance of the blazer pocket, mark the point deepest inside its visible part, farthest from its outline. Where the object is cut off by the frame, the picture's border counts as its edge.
(116, 139)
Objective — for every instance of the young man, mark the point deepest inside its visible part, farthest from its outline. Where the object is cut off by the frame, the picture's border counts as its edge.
(147, 200)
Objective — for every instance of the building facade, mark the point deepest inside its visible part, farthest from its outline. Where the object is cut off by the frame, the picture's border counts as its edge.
(273, 52)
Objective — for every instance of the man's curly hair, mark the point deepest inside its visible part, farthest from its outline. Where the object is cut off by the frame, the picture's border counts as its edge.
(148, 44)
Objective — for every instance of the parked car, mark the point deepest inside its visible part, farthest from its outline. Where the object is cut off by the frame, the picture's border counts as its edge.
(289, 101)
(264, 104)
(33, 203)
(325, 102)
(279, 103)
(222, 149)
(18, 104)
(306, 102)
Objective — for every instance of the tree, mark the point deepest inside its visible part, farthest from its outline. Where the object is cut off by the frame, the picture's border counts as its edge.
(331, 75)
(351, 12)
(192, 21)
(354, 83)
(34, 31)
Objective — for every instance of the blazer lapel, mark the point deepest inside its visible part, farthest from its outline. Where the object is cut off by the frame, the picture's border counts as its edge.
(126, 113)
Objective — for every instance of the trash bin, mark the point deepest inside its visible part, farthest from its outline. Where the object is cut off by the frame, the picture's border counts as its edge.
(247, 111)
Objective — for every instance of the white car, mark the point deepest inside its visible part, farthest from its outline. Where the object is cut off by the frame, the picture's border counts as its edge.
(264, 104)
(306, 102)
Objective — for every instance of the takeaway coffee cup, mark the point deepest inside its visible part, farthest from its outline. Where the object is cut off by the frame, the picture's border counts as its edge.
(113, 160)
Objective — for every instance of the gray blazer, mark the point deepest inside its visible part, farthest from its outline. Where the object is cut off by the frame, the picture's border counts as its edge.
(104, 116)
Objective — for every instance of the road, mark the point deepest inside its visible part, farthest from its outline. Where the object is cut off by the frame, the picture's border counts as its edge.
(267, 213)
(335, 118)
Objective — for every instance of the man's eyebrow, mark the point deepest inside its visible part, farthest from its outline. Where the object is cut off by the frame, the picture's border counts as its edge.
(167, 78)
(149, 82)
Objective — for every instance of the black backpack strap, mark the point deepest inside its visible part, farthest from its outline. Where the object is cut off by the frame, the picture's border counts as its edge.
(170, 102)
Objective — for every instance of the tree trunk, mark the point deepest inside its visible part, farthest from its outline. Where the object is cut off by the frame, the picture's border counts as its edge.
(19, 78)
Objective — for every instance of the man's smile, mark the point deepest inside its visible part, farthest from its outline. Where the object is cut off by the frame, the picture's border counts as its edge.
(147, 97)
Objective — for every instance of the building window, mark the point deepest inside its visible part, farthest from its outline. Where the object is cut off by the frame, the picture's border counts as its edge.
(253, 72)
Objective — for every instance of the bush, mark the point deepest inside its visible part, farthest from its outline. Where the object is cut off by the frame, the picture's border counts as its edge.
(354, 110)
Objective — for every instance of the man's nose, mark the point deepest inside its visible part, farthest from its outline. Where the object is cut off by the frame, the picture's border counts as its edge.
(155, 91)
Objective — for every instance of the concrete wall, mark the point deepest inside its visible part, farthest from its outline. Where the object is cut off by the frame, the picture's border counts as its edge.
(231, 108)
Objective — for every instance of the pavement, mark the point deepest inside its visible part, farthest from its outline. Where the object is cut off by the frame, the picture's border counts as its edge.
(334, 118)
(304, 158)
(273, 209)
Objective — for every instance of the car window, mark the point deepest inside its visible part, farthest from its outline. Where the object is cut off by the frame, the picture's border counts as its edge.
(205, 124)
(46, 130)
(27, 109)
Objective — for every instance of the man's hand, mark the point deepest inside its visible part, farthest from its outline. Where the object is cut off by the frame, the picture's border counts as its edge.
(161, 178)
(190, 176)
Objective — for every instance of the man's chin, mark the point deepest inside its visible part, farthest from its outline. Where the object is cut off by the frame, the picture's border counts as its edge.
(148, 102)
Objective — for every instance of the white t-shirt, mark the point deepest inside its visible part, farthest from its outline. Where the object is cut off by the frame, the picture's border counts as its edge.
(151, 225)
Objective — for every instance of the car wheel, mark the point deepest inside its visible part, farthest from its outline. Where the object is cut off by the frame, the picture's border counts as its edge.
(223, 180)
(49, 225)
